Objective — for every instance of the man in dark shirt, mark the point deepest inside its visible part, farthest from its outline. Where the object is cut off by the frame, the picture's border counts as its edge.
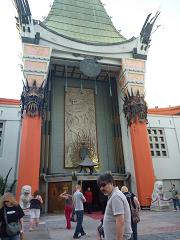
(175, 198)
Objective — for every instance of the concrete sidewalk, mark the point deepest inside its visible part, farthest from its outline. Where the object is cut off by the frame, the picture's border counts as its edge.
(153, 226)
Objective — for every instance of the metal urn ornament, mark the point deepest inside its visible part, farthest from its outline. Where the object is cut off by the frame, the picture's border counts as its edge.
(87, 163)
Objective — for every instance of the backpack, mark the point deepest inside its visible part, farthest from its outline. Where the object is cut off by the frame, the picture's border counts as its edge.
(134, 210)
(134, 213)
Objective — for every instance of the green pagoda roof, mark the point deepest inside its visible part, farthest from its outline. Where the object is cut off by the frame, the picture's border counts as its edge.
(82, 20)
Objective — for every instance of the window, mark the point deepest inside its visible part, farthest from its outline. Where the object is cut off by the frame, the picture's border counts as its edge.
(156, 145)
(160, 132)
(152, 153)
(158, 153)
(1, 136)
(157, 142)
(154, 131)
(164, 153)
(156, 139)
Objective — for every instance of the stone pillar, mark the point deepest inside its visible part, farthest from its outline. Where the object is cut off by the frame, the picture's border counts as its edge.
(143, 166)
(29, 157)
(135, 110)
(36, 66)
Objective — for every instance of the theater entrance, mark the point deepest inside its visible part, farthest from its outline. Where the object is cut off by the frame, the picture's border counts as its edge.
(99, 199)
(96, 206)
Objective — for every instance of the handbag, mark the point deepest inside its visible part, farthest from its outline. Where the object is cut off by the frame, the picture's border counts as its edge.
(12, 228)
(134, 213)
(101, 229)
(21, 236)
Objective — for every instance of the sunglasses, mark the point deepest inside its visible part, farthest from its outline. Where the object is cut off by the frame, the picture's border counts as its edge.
(6, 201)
(103, 184)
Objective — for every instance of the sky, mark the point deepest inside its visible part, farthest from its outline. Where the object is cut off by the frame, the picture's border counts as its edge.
(162, 81)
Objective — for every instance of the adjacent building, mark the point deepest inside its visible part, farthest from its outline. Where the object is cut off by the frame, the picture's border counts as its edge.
(164, 138)
(10, 116)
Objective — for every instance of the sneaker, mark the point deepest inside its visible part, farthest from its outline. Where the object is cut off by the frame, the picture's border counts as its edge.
(83, 234)
(76, 237)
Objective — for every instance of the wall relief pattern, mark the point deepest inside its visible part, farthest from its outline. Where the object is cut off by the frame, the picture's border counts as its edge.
(80, 125)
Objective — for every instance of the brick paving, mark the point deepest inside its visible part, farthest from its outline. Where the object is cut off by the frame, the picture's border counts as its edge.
(153, 226)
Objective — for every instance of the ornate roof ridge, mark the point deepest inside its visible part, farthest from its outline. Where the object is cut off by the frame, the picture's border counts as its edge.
(82, 20)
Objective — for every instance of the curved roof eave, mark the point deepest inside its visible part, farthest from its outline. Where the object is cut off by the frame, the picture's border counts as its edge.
(85, 42)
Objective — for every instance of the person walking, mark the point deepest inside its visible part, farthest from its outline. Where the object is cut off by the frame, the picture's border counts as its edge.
(89, 198)
(35, 208)
(117, 217)
(78, 200)
(175, 198)
(67, 207)
(133, 203)
(11, 212)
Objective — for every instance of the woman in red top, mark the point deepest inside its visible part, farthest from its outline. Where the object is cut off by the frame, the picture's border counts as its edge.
(89, 197)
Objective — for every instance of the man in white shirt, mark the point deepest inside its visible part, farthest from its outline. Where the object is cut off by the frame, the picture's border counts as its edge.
(117, 217)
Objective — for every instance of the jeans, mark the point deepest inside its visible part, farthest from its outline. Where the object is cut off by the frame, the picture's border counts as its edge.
(79, 228)
(134, 229)
(175, 203)
(16, 237)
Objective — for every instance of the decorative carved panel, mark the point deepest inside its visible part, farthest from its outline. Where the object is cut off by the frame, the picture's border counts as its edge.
(136, 77)
(36, 51)
(80, 125)
(134, 64)
(35, 65)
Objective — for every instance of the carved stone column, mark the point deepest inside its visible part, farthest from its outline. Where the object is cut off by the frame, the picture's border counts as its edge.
(135, 110)
(36, 66)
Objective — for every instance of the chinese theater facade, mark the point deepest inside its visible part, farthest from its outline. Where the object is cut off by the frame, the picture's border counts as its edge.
(82, 101)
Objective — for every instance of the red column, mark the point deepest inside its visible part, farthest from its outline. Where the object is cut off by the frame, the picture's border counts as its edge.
(29, 157)
(143, 165)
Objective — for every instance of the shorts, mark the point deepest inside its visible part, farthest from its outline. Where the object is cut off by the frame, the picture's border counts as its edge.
(34, 213)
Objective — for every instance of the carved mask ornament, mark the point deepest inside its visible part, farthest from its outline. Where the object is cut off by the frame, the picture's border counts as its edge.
(32, 100)
(135, 108)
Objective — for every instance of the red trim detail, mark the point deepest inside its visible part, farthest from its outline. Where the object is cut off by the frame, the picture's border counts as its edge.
(6, 101)
(165, 111)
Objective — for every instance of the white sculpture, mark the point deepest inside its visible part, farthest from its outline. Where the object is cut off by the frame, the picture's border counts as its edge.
(25, 198)
(159, 200)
